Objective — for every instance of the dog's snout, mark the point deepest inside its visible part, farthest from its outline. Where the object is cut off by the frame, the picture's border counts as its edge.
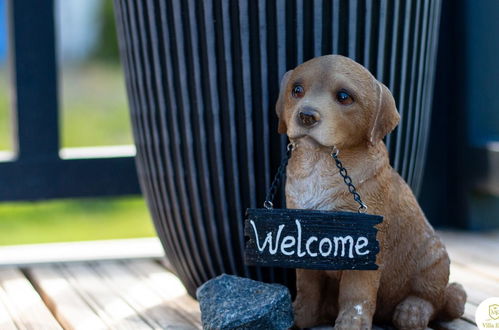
(308, 117)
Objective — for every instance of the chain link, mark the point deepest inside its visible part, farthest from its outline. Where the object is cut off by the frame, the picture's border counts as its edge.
(348, 181)
(281, 171)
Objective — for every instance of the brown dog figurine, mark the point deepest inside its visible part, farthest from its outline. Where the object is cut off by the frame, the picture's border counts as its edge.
(332, 101)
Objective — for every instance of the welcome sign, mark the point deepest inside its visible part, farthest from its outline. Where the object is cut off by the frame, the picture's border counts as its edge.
(311, 239)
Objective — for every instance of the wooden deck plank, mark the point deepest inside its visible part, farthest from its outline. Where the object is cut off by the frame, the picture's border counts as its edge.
(469, 312)
(168, 286)
(477, 287)
(477, 280)
(478, 247)
(23, 303)
(110, 307)
(6, 321)
(480, 261)
(63, 300)
(455, 325)
(482, 268)
(143, 294)
(152, 307)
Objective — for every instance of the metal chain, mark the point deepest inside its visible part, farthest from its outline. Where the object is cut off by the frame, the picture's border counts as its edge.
(269, 198)
(348, 181)
(268, 204)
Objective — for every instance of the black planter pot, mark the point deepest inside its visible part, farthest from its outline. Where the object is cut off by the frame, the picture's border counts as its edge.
(202, 80)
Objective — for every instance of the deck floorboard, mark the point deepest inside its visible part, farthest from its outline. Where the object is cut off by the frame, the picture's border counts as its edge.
(23, 303)
(63, 299)
(141, 293)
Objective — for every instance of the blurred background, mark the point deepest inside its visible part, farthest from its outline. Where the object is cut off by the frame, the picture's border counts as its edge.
(461, 182)
(93, 112)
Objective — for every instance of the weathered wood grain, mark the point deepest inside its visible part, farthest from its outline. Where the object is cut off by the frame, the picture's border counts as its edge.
(63, 299)
(466, 250)
(6, 321)
(23, 303)
(168, 286)
(110, 307)
(349, 239)
(477, 287)
(480, 247)
(157, 311)
(143, 294)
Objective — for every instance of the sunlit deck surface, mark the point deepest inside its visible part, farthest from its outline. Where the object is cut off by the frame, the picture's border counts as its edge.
(127, 284)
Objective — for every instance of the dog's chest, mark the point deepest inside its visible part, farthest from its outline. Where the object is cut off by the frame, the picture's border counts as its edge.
(318, 189)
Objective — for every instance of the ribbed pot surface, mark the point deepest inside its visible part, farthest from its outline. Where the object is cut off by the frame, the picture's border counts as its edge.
(202, 80)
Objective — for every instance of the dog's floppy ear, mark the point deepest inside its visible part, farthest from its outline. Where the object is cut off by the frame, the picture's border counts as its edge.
(386, 116)
(279, 107)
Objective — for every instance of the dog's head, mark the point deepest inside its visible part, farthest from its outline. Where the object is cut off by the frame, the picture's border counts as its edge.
(336, 102)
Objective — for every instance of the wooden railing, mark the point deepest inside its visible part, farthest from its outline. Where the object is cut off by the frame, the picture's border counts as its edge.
(36, 169)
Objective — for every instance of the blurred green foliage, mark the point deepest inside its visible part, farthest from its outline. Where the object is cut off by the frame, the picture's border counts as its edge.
(73, 220)
(94, 107)
(93, 112)
(107, 45)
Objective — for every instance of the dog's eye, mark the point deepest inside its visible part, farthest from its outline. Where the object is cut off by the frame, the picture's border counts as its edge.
(344, 98)
(298, 91)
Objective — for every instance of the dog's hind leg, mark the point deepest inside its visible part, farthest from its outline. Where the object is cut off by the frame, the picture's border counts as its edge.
(413, 313)
(453, 307)
(429, 289)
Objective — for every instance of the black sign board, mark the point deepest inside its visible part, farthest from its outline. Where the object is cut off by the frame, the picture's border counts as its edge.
(311, 239)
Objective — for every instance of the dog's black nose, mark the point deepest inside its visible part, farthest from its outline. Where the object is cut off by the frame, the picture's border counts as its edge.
(308, 117)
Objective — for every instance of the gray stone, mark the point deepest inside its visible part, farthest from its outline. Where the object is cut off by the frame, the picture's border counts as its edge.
(231, 302)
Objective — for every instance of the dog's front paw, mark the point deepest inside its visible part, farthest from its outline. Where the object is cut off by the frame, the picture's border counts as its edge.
(354, 319)
(305, 316)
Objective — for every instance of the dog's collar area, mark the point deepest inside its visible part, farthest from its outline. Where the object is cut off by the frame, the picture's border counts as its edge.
(281, 171)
